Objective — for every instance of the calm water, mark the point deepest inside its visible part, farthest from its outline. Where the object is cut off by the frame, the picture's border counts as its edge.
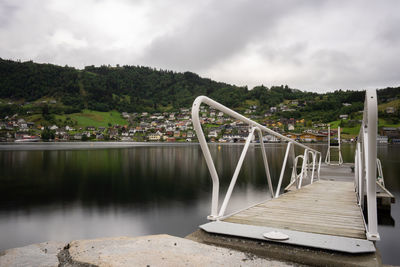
(65, 192)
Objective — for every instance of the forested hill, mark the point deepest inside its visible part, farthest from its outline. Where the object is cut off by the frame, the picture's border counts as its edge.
(138, 88)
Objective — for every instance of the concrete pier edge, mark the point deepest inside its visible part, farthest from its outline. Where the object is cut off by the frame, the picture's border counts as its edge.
(197, 249)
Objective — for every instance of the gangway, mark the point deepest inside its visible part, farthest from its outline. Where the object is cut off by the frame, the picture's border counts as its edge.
(323, 205)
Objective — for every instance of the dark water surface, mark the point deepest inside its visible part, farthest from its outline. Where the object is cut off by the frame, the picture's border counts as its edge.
(88, 190)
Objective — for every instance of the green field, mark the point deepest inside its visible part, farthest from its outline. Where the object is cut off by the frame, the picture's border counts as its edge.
(94, 118)
(349, 132)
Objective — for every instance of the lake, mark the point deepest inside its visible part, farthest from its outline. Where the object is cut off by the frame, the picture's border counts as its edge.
(68, 191)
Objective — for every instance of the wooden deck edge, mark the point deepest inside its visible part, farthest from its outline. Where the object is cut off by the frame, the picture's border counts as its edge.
(287, 253)
(320, 241)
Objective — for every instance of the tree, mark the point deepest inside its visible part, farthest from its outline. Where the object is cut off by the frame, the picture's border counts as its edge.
(47, 134)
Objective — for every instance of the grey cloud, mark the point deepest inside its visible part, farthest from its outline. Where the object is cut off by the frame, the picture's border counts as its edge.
(7, 11)
(305, 44)
(217, 32)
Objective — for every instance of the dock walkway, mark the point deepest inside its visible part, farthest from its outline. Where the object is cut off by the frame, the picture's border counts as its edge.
(324, 214)
(324, 207)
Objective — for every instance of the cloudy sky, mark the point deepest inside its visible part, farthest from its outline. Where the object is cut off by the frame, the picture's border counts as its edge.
(312, 45)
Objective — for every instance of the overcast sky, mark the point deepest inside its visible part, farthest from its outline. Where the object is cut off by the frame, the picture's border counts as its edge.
(309, 45)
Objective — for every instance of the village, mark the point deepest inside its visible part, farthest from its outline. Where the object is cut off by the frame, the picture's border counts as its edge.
(177, 127)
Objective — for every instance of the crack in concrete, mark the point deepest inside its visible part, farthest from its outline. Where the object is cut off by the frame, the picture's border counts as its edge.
(65, 259)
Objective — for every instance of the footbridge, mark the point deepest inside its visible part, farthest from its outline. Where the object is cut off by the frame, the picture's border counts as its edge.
(327, 205)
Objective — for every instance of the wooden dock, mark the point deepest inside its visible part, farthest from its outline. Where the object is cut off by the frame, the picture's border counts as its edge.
(323, 214)
(324, 207)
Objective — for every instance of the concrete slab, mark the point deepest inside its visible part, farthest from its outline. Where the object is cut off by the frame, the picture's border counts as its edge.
(156, 250)
(43, 254)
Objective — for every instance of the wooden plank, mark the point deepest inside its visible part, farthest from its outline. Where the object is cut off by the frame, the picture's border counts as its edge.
(324, 207)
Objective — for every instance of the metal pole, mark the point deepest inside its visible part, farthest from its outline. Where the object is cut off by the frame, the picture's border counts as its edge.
(304, 166)
(340, 149)
(278, 188)
(319, 165)
(360, 174)
(328, 156)
(236, 174)
(313, 166)
(264, 155)
(371, 131)
(208, 158)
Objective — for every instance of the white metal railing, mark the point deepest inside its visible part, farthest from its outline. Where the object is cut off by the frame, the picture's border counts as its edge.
(254, 126)
(380, 178)
(366, 163)
(338, 147)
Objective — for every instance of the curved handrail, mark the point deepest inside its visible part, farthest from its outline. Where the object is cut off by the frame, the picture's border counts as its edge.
(210, 164)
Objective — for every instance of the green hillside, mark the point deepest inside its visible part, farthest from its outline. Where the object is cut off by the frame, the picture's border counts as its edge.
(50, 93)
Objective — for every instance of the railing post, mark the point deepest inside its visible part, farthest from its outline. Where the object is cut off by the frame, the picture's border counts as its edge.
(319, 165)
(328, 154)
(278, 188)
(236, 174)
(264, 155)
(207, 156)
(360, 175)
(313, 166)
(371, 132)
(303, 168)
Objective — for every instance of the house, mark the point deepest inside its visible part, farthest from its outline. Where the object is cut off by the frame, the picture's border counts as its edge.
(390, 132)
(126, 139)
(190, 134)
(292, 136)
(344, 116)
(99, 136)
(177, 134)
(54, 127)
(78, 136)
(212, 134)
(390, 110)
(270, 138)
(290, 127)
(312, 137)
(380, 139)
(154, 137)
(131, 131)
(113, 133)
(64, 136)
(91, 128)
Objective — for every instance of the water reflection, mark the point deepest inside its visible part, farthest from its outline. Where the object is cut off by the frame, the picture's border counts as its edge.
(58, 193)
